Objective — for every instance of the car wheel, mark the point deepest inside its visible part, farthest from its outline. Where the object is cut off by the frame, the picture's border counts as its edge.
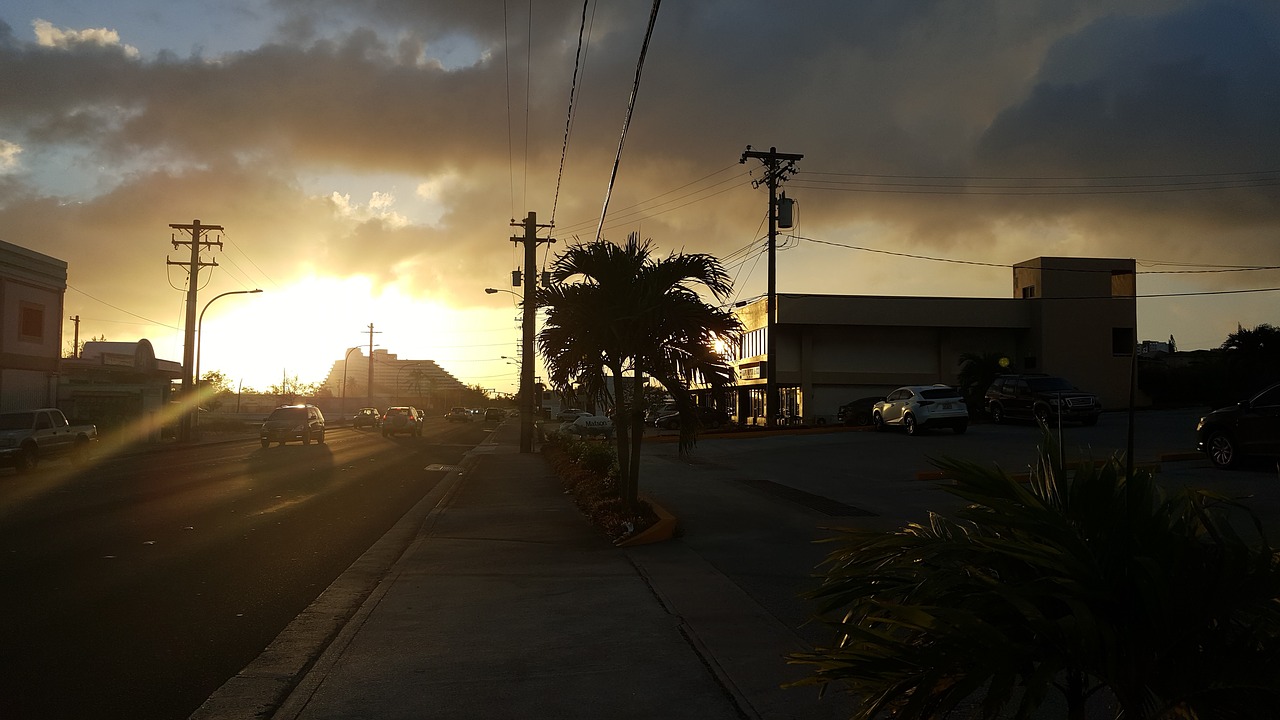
(26, 460)
(997, 414)
(385, 433)
(320, 438)
(909, 422)
(862, 418)
(1221, 450)
(960, 427)
(1041, 414)
(80, 452)
(878, 421)
(266, 443)
(306, 438)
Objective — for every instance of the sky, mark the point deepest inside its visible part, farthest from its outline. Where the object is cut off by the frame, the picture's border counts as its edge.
(367, 159)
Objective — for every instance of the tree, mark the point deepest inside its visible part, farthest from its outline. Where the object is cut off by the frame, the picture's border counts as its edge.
(977, 372)
(1097, 585)
(211, 385)
(1253, 357)
(635, 316)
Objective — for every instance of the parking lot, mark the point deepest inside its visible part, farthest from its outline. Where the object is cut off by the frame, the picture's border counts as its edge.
(886, 474)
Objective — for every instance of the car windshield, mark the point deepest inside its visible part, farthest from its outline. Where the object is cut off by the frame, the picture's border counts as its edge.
(939, 393)
(1049, 384)
(397, 411)
(17, 421)
(288, 414)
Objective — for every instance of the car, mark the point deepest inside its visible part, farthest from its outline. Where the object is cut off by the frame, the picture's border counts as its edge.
(458, 414)
(568, 415)
(590, 426)
(293, 422)
(1250, 427)
(403, 419)
(916, 408)
(367, 417)
(1041, 398)
(656, 411)
(494, 415)
(708, 417)
(857, 412)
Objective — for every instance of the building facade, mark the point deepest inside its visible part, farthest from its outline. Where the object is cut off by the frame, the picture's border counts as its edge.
(395, 381)
(1074, 317)
(32, 286)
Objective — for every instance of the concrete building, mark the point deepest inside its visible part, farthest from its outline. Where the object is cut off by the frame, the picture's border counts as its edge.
(32, 286)
(1074, 317)
(122, 387)
(395, 381)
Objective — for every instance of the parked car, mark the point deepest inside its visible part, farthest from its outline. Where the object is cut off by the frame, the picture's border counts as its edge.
(654, 412)
(367, 417)
(494, 415)
(404, 419)
(29, 436)
(920, 407)
(591, 426)
(458, 414)
(708, 417)
(857, 412)
(293, 422)
(568, 415)
(1042, 398)
(1250, 427)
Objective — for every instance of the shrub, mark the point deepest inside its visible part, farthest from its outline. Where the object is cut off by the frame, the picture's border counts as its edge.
(588, 471)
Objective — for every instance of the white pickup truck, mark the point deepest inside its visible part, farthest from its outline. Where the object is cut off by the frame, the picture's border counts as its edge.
(29, 436)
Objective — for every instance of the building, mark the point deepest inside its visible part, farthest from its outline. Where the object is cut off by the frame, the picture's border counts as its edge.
(121, 387)
(1074, 317)
(32, 286)
(395, 381)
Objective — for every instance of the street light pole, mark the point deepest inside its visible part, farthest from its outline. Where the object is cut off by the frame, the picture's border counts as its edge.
(195, 411)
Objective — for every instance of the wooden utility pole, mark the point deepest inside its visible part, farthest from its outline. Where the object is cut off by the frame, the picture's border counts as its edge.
(531, 242)
(777, 167)
(197, 243)
(75, 342)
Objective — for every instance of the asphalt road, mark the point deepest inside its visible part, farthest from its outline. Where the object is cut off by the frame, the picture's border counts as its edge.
(135, 587)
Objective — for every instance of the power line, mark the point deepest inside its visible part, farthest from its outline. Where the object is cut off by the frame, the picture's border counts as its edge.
(568, 121)
(126, 312)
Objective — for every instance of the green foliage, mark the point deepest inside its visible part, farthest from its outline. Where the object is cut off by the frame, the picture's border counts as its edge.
(1092, 585)
(589, 472)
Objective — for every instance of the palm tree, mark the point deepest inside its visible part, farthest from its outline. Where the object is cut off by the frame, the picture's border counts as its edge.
(976, 375)
(1098, 586)
(633, 314)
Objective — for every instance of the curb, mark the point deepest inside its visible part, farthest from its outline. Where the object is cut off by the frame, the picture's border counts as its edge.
(663, 530)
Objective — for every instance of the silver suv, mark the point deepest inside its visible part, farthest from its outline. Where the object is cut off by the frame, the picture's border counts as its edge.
(293, 422)
(919, 407)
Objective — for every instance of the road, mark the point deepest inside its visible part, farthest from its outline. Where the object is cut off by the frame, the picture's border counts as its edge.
(135, 587)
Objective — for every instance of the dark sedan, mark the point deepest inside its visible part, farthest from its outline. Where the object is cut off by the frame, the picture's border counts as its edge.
(1250, 427)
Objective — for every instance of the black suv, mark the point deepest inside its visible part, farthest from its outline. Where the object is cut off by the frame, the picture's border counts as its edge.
(293, 422)
(1040, 397)
(1251, 427)
(369, 416)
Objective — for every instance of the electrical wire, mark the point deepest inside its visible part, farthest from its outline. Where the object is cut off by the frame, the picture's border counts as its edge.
(1064, 185)
(626, 124)
(126, 312)
(568, 121)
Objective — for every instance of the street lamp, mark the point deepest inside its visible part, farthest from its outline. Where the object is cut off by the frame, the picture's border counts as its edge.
(199, 338)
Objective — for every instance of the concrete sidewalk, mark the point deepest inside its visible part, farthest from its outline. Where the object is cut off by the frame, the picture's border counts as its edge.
(508, 603)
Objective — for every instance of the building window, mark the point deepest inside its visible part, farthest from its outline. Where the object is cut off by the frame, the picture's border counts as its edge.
(1029, 291)
(1123, 284)
(31, 322)
(1122, 341)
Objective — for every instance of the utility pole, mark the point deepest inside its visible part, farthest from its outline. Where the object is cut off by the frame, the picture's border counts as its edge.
(777, 167)
(75, 343)
(372, 332)
(197, 243)
(531, 242)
